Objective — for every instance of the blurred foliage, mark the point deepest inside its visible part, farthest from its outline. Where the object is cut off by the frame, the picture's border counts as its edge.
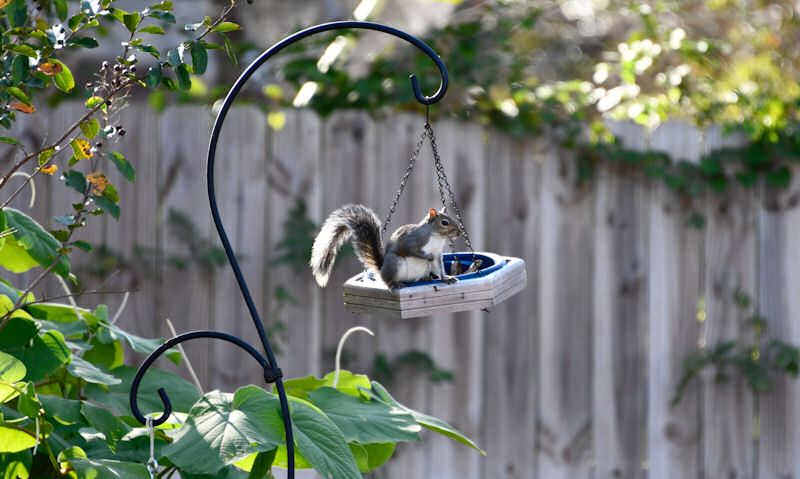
(562, 67)
(756, 361)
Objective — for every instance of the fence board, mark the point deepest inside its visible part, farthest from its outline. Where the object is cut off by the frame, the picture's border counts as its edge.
(564, 434)
(457, 339)
(509, 358)
(293, 169)
(730, 268)
(184, 295)
(619, 376)
(779, 275)
(674, 291)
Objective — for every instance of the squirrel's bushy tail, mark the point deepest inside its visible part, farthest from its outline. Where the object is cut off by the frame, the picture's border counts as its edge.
(356, 222)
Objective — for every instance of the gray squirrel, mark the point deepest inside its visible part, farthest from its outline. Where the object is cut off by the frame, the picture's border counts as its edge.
(413, 252)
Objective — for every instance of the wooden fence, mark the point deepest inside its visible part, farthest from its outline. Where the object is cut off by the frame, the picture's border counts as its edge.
(573, 378)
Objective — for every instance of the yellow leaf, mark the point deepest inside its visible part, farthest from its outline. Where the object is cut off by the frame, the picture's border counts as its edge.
(22, 107)
(99, 182)
(276, 120)
(81, 148)
(3, 3)
(50, 169)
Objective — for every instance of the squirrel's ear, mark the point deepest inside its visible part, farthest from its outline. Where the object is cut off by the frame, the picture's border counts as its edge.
(443, 210)
(431, 214)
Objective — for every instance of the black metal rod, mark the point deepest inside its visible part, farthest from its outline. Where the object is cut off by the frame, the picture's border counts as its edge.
(271, 371)
(170, 344)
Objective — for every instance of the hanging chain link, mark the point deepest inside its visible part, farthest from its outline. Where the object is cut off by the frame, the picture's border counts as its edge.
(152, 464)
(397, 195)
(445, 185)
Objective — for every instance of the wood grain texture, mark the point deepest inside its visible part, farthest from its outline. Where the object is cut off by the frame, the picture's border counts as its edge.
(619, 376)
(779, 303)
(675, 287)
(510, 359)
(730, 268)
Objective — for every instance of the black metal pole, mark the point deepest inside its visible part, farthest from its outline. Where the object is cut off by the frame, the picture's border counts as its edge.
(271, 371)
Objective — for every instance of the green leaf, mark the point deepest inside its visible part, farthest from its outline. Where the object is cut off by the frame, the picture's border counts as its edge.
(182, 394)
(64, 411)
(225, 27)
(75, 180)
(107, 205)
(149, 49)
(17, 13)
(21, 49)
(63, 80)
(85, 42)
(262, 464)
(12, 370)
(104, 421)
(437, 425)
(224, 428)
(83, 245)
(61, 9)
(229, 49)
(19, 69)
(56, 312)
(152, 29)
(42, 355)
(199, 57)
(109, 355)
(175, 56)
(15, 440)
(125, 168)
(75, 20)
(165, 16)
(131, 21)
(19, 95)
(371, 456)
(100, 468)
(182, 72)
(365, 422)
(10, 141)
(40, 244)
(93, 102)
(137, 343)
(27, 403)
(15, 258)
(44, 156)
(90, 128)
(321, 443)
(16, 465)
(87, 371)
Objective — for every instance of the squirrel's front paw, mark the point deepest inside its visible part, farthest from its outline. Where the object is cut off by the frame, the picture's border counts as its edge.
(449, 279)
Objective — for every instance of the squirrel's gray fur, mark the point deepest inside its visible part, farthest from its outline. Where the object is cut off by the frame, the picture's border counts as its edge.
(351, 221)
(413, 252)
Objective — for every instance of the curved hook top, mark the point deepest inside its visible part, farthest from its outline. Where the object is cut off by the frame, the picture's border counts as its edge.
(239, 84)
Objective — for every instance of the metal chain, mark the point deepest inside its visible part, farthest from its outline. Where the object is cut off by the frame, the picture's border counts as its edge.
(414, 157)
(444, 184)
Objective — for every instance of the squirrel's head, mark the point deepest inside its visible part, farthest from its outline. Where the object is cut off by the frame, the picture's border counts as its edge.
(444, 225)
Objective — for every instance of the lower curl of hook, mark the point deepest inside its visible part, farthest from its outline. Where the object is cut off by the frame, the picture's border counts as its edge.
(165, 347)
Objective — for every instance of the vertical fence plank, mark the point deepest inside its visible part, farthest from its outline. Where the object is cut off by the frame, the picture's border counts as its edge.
(779, 275)
(510, 372)
(565, 272)
(674, 292)
(619, 374)
(136, 228)
(241, 188)
(293, 176)
(397, 138)
(184, 294)
(350, 149)
(730, 268)
(457, 339)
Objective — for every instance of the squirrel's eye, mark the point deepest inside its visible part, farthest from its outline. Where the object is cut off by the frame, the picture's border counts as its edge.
(445, 223)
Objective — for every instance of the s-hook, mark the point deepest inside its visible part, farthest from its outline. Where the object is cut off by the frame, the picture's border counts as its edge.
(271, 371)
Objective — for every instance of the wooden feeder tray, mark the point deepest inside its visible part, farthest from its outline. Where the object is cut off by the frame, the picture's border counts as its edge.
(499, 278)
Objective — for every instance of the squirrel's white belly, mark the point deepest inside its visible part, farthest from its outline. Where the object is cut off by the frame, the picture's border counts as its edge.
(413, 269)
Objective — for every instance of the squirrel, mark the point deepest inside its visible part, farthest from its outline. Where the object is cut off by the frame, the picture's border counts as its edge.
(413, 252)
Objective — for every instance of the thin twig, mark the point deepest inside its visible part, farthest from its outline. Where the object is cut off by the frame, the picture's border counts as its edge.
(186, 359)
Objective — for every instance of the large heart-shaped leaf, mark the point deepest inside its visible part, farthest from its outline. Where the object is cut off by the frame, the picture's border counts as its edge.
(379, 393)
(43, 354)
(39, 244)
(182, 394)
(100, 468)
(224, 428)
(365, 422)
(321, 443)
(15, 440)
(11, 371)
(87, 371)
